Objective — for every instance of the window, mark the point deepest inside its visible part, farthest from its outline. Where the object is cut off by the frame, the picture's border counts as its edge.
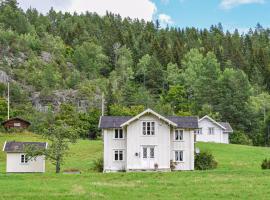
(17, 124)
(211, 131)
(198, 131)
(152, 152)
(118, 155)
(118, 134)
(148, 128)
(144, 152)
(179, 156)
(178, 135)
(24, 159)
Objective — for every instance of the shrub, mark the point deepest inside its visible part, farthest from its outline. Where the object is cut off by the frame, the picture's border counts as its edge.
(205, 160)
(265, 164)
(240, 138)
(98, 165)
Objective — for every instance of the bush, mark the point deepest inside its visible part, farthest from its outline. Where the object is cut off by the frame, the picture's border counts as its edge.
(98, 165)
(240, 138)
(265, 164)
(205, 160)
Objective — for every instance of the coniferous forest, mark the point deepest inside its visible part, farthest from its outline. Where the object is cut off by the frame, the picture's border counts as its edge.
(135, 64)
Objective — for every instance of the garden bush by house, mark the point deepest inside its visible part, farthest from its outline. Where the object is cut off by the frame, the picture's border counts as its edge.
(205, 160)
(98, 165)
(265, 164)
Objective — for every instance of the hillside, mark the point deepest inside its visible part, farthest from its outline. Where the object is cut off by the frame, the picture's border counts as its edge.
(238, 176)
(57, 58)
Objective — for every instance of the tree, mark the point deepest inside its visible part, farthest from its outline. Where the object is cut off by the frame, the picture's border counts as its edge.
(177, 98)
(60, 136)
(235, 91)
(90, 59)
(3, 109)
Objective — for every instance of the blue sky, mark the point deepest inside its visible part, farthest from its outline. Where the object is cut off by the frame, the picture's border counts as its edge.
(241, 14)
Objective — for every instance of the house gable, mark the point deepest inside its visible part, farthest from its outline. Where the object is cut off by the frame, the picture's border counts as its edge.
(149, 111)
(212, 120)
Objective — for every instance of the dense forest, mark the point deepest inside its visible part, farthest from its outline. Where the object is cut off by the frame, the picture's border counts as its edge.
(135, 64)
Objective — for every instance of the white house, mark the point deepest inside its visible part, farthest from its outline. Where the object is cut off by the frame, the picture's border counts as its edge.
(213, 131)
(148, 142)
(17, 160)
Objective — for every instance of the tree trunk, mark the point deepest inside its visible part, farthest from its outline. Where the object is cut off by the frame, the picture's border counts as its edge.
(57, 170)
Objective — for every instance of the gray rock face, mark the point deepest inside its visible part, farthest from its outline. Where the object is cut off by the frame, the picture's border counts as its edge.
(4, 78)
(57, 98)
(46, 56)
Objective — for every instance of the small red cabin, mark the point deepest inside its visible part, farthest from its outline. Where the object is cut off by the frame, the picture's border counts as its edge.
(16, 122)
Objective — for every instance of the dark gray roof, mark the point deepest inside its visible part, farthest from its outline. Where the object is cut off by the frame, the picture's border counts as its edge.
(116, 121)
(112, 121)
(19, 146)
(184, 122)
(227, 126)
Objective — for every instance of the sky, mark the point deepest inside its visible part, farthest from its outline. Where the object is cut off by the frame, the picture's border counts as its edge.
(240, 14)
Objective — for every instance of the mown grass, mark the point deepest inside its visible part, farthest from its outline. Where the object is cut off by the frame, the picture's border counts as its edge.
(238, 176)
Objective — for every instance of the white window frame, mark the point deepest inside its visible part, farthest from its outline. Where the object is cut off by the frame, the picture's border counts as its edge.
(179, 153)
(17, 124)
(198, 131)
(118, 131)
(211, 130)
(178, 132)
(118, 155)
(152, 128)
(24, 159)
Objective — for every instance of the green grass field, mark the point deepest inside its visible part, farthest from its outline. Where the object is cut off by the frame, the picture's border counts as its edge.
(238, 176)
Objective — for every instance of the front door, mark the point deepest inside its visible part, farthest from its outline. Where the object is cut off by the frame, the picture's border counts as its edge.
(148, 157)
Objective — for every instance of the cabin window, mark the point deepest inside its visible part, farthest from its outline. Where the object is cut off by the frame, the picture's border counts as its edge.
(118, 134)
(118, 155)
(148, 128)
(178, 135)
(179, 156)
(211, 130)
(18, 124)
(24, 159)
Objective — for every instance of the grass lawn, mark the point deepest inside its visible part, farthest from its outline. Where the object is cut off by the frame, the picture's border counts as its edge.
(238, 176)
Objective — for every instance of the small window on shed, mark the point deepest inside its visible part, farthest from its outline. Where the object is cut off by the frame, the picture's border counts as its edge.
(17, 124)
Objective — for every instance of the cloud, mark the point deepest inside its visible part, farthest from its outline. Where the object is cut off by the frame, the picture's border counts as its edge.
(228, 4)
(165, 20)
(141, 9)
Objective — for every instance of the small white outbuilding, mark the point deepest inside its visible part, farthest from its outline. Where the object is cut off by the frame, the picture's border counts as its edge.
(17, 160)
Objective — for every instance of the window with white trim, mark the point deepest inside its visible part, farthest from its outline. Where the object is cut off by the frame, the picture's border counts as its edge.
(152, 152)
(118, 134)
(179, 156)
(198, 131)
(211, 131)
(178, 135)
(118, 155)
(24, 159)
(148, 128)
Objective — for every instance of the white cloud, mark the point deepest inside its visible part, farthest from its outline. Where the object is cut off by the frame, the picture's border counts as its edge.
(228, 4)
(142, 9)
(165, 20)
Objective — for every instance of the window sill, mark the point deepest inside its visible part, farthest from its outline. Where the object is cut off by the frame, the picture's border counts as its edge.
(148, 135)
(178, 140)
(179, 161)
(119, 138)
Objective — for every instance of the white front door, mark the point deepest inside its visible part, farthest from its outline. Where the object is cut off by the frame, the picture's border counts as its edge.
(148, 157)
